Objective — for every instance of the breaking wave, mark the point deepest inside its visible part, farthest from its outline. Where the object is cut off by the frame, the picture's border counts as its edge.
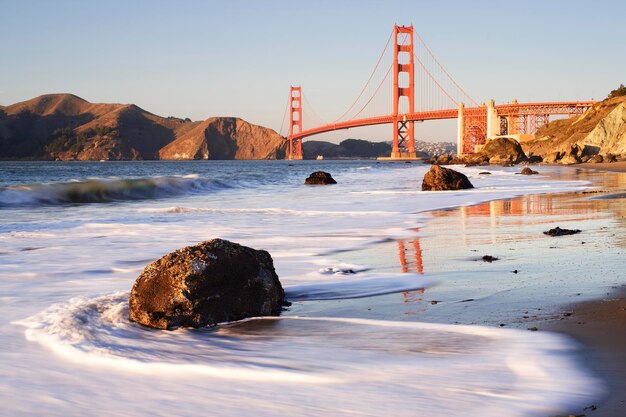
(103, 190)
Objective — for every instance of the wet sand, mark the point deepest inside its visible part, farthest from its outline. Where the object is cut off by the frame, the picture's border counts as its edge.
(606, 166)
(601, 328)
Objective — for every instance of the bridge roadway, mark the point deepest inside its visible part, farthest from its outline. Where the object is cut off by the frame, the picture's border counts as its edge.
(509, 109)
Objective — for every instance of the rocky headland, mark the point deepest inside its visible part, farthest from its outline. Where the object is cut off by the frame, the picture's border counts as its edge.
(597, 135)
(66, 127)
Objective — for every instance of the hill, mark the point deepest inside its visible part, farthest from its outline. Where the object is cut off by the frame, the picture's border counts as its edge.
(358, 148)
(349, 148)
(67, 127)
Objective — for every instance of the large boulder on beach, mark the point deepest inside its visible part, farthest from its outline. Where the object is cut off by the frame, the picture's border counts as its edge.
(320, 178)
(504, 151)
(441, 179)
(202, 285)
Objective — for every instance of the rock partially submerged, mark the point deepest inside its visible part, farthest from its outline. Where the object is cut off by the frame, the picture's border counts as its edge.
(202, 285)
(557, 231)
(320, 178)
(528, 171)
(440, 179)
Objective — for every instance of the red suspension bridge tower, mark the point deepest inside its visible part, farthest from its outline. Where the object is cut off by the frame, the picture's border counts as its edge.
(403, 87)
(295, 122)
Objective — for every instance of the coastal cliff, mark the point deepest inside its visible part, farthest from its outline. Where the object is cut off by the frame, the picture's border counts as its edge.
(225, 138)
(599, 131)
(66, 127)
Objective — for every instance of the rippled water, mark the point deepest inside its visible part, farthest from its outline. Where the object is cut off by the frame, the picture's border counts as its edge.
(74, 236)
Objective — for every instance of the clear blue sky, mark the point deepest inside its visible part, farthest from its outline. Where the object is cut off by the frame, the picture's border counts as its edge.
(237, 58)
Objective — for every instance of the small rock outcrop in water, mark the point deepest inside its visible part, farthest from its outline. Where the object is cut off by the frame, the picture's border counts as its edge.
(557, 231)
(528, 171)
(320, 178)
(440, 179)
(202, 285)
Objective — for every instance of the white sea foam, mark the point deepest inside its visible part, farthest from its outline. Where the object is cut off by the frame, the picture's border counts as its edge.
(324, 366)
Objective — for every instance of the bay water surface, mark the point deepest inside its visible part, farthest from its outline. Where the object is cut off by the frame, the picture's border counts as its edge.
(74, 236)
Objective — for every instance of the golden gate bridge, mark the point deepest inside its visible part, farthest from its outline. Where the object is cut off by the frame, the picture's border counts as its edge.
(437, 96)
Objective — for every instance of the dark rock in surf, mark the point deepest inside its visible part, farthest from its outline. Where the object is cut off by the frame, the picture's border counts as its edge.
(489, 258)
(440, 179)
(202, 285)
(557, 231)
(320, 178)
(528, 171)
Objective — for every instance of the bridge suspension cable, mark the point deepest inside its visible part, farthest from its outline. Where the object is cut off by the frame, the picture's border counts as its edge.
(436, 61)
(379, 86)
(434, 79)
(316, 117)
(382, 54)
(373, 95)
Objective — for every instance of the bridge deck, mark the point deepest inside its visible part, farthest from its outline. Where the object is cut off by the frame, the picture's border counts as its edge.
(548, 108)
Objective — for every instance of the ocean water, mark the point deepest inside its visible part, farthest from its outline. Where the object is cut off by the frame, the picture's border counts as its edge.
(74, 236)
